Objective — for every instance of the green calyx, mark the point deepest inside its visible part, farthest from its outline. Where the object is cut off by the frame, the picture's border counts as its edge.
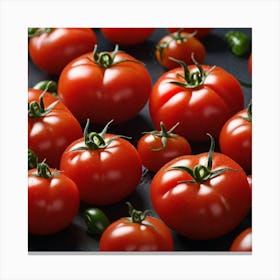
(238, 42)
(44, 171)
(33, 32)
(163, 134)
(194, 79)
(201, 173)
(97, 141)
(49, 86)
(177, 36)
(249, 112)
(107, 59)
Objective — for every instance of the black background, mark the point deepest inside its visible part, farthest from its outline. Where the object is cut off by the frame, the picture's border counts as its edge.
(75, 237)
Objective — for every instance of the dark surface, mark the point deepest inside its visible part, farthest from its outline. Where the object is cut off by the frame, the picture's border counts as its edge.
(75, 237)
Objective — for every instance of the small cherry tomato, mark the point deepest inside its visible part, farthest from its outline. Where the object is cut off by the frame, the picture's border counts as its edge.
(200, 32)
(243, 242)
(127, 36)
(51, 126)
(156, 148)
(105, 86)
(201, 196)
(138, 232)
(96, 221)
(179, 45)
(236, 138)
(105, 167)
(53, 200)
(52, 48)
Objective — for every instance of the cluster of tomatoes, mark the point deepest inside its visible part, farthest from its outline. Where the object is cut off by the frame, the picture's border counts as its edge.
(198, 196)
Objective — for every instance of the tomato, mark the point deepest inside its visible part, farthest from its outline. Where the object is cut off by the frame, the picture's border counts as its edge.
(51, 126)
(200, 32)
(51, 49)
(250, 64)
(96, 221)
(158, 147)
(201, 196)
(249, 179)
(127, 36)
(179, 45)
(105, 167)
(138, 232)
(201, 98)
(53, 200)
(105, 86)
(236, 138)
(243, 242)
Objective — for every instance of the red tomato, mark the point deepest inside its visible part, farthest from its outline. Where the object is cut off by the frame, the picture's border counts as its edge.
(53, 200)
(105, 167)
(236, 138)
(250, 64)
(158, 147)
(201, 100)
(201, 196)
(52, 50)
(179, 45)
(127, 36)
(136, 233)
(243, 242)
(249, 179)
(200, 32)
(50, 131)
(105, 86)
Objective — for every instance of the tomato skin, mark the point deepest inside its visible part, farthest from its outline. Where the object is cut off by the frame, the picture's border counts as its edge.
(124, 235)
(154, 160)
(49, 135)
(118, 92)
(52, 51)
(243, 242)
(199, 110)
(236, 139)
(180, 49)
(201, 210)
(52, 203)
(103, 176)
(201, 32)
(127, 36)
(250, 64)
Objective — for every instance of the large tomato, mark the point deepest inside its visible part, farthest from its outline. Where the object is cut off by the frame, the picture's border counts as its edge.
(105, 86)
(179, 45)
(201, 196)
(138, 232)
(201, 98)
(243, 242)
(200, 32)
(51, 126)
(236, 138)
(156, 148)
(53, 200)
(127, 36)
(52, 48)
(105, 167)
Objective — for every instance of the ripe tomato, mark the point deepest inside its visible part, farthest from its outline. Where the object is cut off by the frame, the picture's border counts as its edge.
(127, 36)
(105, 86)
(200, 32)
(50, 128)
(201, 196)
(138, 232)
(249, 179)
(236, 138)
(52, 48)
(250, 64)
(179, 45)
(199, 97)
(105, 167)
(53, 200)
(243, 242)
(158, 147)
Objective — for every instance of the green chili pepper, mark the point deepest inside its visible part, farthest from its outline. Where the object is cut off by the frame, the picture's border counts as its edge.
(238, 42)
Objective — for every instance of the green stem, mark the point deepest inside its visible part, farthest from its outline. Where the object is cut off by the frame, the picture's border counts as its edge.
(33, 32)
(44, 171)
